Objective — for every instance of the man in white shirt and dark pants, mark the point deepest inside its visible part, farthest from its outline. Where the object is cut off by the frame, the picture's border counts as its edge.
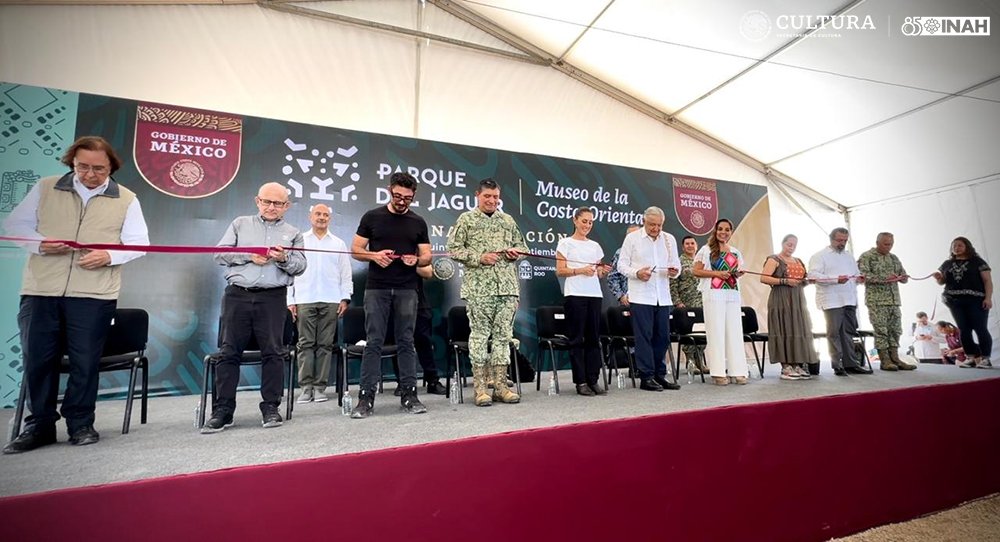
(836, 274)
(649, 259)
(317, 299)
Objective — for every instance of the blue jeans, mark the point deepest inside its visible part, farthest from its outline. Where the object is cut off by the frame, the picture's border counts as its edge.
(380, 305)
(651, 326)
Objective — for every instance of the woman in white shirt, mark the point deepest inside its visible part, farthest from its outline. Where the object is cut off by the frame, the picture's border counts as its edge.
(718, 265)
(926, 340)
(578, 261)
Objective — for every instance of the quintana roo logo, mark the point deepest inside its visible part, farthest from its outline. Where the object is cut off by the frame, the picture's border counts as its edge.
(524, 270)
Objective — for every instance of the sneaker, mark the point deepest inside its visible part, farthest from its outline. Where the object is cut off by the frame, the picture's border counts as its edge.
(435, 387)
(320, 396)
(365, 406)
(270, 417)
(410, 403)
(968, 364)
(216, 423)
(984, 363)
(306, 396)
(802, 372)
(789, 373)
(84, 436)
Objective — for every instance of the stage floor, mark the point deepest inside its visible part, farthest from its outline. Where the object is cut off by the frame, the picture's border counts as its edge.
(169, 444)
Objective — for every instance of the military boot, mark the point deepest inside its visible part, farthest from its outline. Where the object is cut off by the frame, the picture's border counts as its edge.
(885, 360)
(501, 391)
(479, 385)
(903, 366)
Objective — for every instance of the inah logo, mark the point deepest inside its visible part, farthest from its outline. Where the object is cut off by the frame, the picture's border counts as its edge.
(946, 26)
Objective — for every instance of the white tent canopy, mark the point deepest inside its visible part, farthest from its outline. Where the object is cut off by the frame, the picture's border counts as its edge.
(862, 125)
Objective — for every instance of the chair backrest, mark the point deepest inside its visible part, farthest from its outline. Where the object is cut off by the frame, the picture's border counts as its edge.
(550, 321)
(682, 321)
(129, 332)
(750, 323)
(619, 321)
(458, 324)
(354, 325)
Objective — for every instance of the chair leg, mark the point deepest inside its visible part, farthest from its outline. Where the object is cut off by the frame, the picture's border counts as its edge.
(461, 381)
(145, 389)
(130, 397)
(760, 360)
(517, 370)
(632, 369)
(539, 360)
(555, 366)
(675, 364)
(290, 400)
(204, 390)
(22, 396)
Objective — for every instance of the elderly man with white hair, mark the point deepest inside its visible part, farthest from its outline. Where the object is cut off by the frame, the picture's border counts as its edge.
(649, 259)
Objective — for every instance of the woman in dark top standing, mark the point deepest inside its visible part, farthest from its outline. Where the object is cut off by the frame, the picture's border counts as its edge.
(968, 293)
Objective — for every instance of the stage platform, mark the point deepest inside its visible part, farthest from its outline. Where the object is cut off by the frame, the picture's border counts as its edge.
(170, 445)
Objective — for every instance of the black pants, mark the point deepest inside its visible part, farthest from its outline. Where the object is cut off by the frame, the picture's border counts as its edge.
(970, 316)
(247, 314)
(57, 326)
(380, 304)
(423, 342)
(583, 327)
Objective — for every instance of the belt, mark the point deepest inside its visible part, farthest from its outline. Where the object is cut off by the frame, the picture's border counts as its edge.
(255, 289)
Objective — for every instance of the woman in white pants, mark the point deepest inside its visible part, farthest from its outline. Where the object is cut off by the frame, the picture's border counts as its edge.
(718, 265)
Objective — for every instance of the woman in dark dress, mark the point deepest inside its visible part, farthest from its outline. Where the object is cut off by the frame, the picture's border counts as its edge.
(968, 294)
(789, 328)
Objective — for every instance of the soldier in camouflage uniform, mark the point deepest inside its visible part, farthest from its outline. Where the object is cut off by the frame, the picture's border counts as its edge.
(883, 272)
(684, 292)
(488, 242)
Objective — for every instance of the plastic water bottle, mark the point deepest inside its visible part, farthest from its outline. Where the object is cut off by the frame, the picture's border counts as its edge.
(621, 381)
(453, 390)
(197, 415)
(552, 385)
(347, 404)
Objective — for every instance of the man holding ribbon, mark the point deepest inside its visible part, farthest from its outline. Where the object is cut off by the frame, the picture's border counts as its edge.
(254, 303)
(394, 241)
(837, 275)
(883, 272)
(488, 242)
(68, 297)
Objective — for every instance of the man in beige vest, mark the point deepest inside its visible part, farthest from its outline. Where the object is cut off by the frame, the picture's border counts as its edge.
(68, 296)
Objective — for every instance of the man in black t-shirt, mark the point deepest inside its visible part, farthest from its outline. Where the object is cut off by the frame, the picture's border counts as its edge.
(394, 241)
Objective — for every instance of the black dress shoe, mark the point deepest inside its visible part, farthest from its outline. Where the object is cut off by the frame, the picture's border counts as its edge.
(584, 389)
(859, 371)
(840, 372)
(597, 389)
(649, 384)
(666, 384)
(30, 439)
(84, 436)
(435, 387)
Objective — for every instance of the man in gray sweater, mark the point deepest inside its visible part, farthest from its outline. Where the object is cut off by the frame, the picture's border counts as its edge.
(254, 303)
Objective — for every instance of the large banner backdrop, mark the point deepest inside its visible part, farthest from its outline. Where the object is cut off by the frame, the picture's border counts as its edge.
(194, 171)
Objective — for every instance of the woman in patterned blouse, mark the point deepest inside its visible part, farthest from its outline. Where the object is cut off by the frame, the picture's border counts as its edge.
(968, 294)
(718, 265)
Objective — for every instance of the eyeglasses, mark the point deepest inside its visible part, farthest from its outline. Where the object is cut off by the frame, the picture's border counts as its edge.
(270, 203)
(85, 168)
(399, 197)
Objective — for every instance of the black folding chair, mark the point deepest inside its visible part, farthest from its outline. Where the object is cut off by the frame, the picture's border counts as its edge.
(751, 334)
(550, 322)
(253, 356)
(124, 350)
(621, 337)
(682, 323)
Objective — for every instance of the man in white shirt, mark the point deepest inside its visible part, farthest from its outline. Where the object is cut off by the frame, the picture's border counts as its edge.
(68, 296)
(649, 259)
(836, 274)
(317, 299)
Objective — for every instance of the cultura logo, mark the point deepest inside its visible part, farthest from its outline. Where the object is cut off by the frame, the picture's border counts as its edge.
(946, 26)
